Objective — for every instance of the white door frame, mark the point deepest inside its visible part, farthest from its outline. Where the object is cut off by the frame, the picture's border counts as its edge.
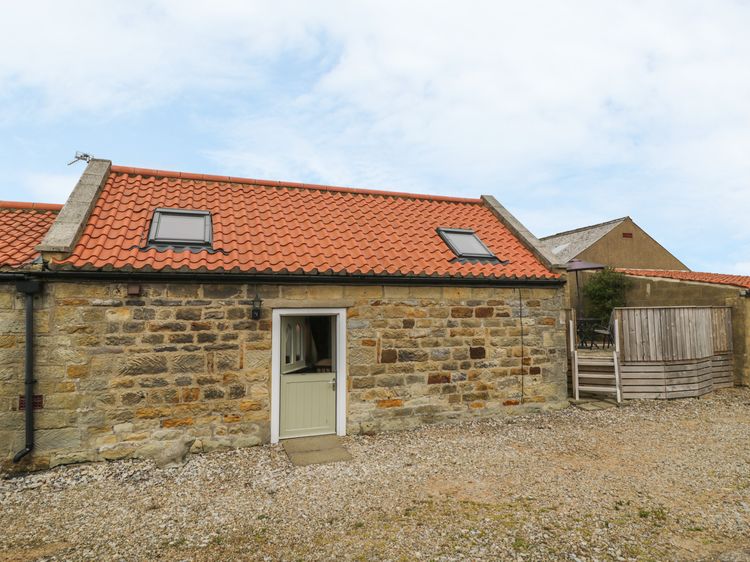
(340, 314)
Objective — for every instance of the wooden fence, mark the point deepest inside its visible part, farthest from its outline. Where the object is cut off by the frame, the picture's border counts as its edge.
(672, 352)
(674, 333)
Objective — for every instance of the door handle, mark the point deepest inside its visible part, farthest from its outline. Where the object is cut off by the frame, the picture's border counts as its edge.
(333, 384)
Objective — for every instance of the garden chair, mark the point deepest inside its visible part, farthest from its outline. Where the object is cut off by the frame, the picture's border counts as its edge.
(607, 333)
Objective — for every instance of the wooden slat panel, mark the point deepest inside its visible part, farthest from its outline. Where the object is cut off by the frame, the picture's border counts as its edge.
(722, 326)
(643, 395)
(653, 336)
(669, 352)
(673, 333)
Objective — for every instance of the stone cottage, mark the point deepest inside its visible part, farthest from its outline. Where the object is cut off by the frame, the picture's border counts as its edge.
(240, 311)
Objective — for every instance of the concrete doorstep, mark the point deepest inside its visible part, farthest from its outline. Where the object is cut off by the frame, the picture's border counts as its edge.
(323, 449)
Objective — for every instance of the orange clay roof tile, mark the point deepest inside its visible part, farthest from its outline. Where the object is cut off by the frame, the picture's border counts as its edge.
(273, 227)
(696, 276)
(22, 227)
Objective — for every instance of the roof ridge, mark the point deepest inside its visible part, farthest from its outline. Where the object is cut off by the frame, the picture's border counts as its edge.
(582, 228)
(30, 205)
(736, 279)
(682, 271)
(272, 183)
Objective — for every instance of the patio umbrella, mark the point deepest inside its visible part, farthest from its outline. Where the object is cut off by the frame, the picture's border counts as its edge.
(580, 265)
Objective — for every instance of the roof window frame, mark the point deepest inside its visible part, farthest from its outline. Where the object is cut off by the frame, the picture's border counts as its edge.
(444, 233)
(158, 213)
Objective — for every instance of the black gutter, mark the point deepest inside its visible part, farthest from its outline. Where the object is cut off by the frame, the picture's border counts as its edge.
(28, 288)
(228, 277)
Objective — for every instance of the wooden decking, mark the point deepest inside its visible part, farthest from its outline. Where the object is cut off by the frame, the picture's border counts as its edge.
(595, 373)
(670, 352)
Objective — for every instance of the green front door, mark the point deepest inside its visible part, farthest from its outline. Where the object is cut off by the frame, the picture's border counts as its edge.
(308, 385)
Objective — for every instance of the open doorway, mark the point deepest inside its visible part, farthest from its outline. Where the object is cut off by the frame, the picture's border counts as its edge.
(308, 344)
(308, 350)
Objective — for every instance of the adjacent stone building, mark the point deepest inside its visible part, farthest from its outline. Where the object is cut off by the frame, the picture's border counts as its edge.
(239, 312)
(616, 243)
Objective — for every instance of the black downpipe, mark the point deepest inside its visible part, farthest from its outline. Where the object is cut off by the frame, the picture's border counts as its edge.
(520, 316)
(28, 288)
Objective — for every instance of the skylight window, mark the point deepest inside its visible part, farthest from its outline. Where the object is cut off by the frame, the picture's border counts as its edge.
(180, 227)
(464, 243)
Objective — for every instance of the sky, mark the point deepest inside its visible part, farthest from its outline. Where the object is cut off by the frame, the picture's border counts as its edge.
(570, 113)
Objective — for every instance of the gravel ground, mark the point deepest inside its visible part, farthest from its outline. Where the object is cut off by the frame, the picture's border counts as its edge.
(650, 481)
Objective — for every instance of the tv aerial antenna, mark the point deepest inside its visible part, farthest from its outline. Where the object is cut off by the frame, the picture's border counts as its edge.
(81, 157)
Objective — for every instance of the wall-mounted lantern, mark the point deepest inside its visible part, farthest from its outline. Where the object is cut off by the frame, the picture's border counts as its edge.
(257, 302)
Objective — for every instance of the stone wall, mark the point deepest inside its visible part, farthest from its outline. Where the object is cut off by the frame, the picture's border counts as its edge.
(123, 375)
(423, 355)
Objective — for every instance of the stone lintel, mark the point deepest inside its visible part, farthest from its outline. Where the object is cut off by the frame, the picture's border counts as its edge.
(307, 303)
(63, 235)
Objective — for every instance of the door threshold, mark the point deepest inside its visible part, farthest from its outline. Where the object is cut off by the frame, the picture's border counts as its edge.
(308, 436)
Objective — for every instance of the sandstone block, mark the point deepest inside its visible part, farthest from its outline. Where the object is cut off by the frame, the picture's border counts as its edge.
(294, 292)
(177, 422)
(132, 398)
(462, 312)
(362, 356)
(120, 314)
(324, 292)
(364, 291)
(213, 393)
(189, 394)
(250, 405)
(407, 355)
(388, 356)
(189, 363)
(6, 300)
(183, 313)
(257, 359)
(80, 290)
(71, 457)
(117, 452)
(169, 454)
(123, 428)
(223, 291)
(426, 292)
(183, 291)
(62, 439)
(179, 338)
(477, 352)
(236, 391)
(246, 440)
(144, 365)
(157, 326)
